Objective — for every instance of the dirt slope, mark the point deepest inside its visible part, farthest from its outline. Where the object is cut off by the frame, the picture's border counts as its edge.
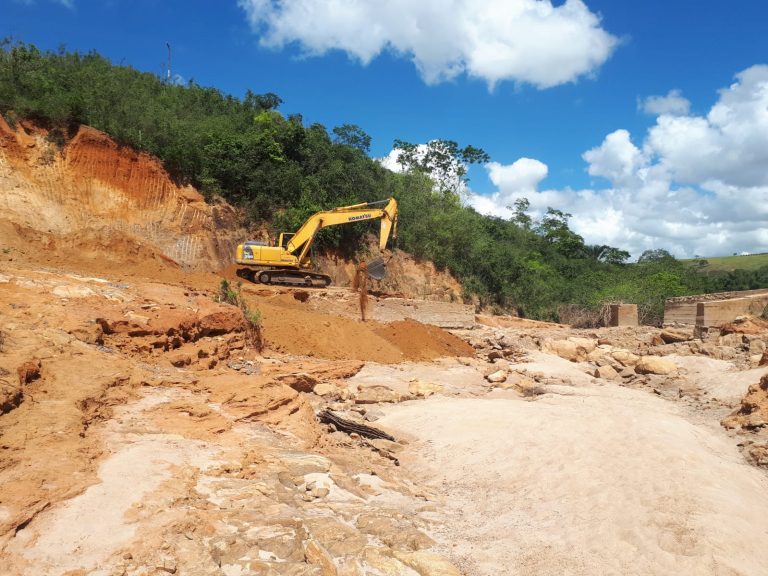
(92, 201)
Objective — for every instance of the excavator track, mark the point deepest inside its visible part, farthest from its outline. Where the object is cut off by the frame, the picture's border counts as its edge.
(285, 277)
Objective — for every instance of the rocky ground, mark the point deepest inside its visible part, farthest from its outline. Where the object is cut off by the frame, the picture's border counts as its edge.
(143, 434)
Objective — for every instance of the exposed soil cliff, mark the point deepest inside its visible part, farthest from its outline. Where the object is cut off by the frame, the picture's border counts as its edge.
(93, 200)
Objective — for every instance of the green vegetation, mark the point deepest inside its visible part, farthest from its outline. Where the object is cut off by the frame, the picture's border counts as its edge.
(280, 170)
(233, 295)
(729, 263)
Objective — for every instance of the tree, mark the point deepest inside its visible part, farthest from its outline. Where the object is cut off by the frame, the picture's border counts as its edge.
(655, 255)
(354, 136)
(442, 160)
(607, 254)
(520, 213)
(555, 230)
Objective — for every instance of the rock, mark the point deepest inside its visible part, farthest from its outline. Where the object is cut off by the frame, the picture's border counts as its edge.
(756, 346)
(625, 357)
(606, 372)
(734, 340)
(319, 556)
(688, 390)
(180, 360)
(520, 382)
(758, 454)
(724, 353)
(673, 337)
(655, 365)
(497, 377)
(90, 333)
(597, 355)
(372, 415)
(300, 381)
(29, 371)
(656, 340)
(565, 349)
(384, 563)
(64, 291)
(376, 394)
(427, 563)
(424, 389)
(495, 355)
(10, 396)
(320, 492)
(627, 372)
(586, 344)
(325, 389)
(763, 359)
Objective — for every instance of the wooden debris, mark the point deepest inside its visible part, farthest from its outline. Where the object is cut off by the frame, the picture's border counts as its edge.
(348, 426)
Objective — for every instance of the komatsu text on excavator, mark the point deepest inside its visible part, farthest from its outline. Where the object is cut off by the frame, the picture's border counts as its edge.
(288, 262)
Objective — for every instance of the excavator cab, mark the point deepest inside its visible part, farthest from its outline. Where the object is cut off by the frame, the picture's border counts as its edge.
(283, 239)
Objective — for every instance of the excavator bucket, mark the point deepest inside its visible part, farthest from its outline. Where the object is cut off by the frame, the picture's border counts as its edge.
(377, 268)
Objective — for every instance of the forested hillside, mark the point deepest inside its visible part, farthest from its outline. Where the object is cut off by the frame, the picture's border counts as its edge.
(279, 170)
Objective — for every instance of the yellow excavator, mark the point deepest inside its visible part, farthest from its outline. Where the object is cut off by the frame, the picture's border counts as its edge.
(288, 262)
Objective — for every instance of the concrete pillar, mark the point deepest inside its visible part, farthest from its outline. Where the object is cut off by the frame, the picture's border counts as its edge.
(623, 315)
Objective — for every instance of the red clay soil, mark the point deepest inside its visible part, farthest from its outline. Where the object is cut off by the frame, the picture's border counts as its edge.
(422, 342)
(290, 329)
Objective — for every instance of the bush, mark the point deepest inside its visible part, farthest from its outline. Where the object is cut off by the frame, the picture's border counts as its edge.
(233, 295)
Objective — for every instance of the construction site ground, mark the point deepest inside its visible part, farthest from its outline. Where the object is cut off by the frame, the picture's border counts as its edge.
(141, 434)
(142, 431)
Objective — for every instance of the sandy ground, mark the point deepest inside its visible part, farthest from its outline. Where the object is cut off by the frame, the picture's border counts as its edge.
(589, 480)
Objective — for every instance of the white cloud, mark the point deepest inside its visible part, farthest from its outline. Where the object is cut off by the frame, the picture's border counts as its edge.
(525, 41)
(673, 104)
(696, 185)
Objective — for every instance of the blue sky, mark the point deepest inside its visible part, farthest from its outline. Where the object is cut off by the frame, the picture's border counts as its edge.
(569, 78)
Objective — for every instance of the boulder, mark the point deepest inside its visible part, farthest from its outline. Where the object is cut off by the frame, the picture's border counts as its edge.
(565, 349)
(29, 371)
(495, 355)
(375, 394)
(625, 357)
(324, 389)
(423, 389)
(427, 563)
(734, 340)
(756, 346)
(299, 381)
(606, 372)
(497, 377)
(586, 344)
(673, 336)
(655, 365)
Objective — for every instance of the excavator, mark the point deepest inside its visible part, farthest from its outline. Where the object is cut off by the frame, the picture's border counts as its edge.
(288, 261)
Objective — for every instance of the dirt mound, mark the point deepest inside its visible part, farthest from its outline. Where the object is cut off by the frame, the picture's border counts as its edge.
(291, 328)
(422, 342)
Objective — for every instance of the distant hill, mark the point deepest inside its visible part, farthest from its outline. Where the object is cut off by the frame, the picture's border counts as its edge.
(730, 263)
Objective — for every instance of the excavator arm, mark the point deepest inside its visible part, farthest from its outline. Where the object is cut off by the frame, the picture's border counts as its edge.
(385, 210)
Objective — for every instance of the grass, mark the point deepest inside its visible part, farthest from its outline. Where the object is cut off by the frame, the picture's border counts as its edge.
(730, 263)
(232, 294)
